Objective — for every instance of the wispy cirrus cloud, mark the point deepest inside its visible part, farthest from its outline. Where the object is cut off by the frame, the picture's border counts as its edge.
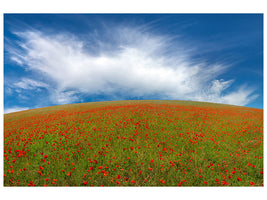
(29, 84)
(15, 109)
(129, 62)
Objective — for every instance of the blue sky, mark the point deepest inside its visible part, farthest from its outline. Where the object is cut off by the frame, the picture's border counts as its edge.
(53, 59)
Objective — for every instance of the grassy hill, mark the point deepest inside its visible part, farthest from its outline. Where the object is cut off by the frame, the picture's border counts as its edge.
(134, 143)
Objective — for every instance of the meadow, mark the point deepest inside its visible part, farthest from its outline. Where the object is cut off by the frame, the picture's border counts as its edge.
(134, 143)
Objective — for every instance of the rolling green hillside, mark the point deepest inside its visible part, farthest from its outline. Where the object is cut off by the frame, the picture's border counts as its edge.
(134, 143)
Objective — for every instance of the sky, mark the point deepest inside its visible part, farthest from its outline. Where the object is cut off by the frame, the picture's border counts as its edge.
(55, 59)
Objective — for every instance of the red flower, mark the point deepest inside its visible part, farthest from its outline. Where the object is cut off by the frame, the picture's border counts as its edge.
(149, 168)
(252, 183)
(162, 181)
(85, 182)
(239, 179)
(41, 168)
(132, 181)
(118, 177)
(69, 174)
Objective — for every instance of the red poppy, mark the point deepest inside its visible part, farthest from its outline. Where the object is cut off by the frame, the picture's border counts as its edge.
(252, 183)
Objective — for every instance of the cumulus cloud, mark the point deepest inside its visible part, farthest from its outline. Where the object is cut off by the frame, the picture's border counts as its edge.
(129, 63)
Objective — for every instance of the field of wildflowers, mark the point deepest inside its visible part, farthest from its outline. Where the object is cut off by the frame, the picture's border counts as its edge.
(134, 143)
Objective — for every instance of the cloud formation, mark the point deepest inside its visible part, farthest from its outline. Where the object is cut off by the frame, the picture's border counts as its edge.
(15, 109)
(128, 63)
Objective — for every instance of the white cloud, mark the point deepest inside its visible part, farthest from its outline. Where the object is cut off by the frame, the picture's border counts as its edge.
(30, 84)
(15, 109)
(241, 97)
(131, 63)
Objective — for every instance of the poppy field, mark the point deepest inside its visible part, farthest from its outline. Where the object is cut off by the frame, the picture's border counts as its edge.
(134, 143)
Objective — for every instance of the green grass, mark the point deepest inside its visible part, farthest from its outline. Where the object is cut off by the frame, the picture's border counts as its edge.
(134, 143)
